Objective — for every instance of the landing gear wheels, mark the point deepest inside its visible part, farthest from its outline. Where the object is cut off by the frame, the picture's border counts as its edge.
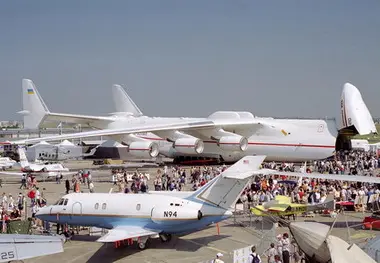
(142, 243)
(165, 237)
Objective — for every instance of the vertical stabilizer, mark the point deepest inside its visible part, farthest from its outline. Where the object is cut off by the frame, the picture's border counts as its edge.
(23, 160)
(123, 103)
(34, 108)
(354, 113)
(225, 189)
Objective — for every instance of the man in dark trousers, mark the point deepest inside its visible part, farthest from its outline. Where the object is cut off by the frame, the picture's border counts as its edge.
(67, 184)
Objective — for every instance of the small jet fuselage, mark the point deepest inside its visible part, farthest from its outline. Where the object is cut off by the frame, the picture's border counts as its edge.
(159, 213)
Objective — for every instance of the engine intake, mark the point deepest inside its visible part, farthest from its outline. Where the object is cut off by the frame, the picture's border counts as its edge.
(174, 214)
(144, 149)
(233, 143)
(189, 145)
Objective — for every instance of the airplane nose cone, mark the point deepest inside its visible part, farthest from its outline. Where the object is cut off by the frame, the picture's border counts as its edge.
(41, 212)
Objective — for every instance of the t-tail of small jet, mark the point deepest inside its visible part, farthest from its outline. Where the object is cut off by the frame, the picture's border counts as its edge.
(355, 116)
(124, 103)
(224, 190)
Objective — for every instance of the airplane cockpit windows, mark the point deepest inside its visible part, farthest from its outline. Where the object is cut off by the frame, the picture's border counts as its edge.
(62, 201)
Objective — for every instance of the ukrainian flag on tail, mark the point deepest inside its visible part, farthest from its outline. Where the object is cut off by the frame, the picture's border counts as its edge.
(30, 91)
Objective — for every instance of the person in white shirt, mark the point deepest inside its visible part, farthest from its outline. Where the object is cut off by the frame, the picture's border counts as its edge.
(253, 256)
(217, 259)
(270, 253)
(285, 248)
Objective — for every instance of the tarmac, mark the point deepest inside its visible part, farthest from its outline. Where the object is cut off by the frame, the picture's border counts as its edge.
(201, 246)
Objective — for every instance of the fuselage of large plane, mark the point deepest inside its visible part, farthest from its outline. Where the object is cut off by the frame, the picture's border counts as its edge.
(159, 213)
(299, 139)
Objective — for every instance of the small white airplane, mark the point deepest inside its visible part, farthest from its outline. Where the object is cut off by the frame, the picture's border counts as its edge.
(48, 170)
(225, 135)
(6, 162)
(14, 247)
(163, 213)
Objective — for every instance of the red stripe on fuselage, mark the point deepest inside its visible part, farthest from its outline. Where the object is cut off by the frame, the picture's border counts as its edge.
(263, 143)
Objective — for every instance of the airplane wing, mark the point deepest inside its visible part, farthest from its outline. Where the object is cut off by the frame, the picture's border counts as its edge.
(184, 125)
(125, 232)
(12, 173)
(20, 247)
(334, 177)
(48, 174)
(277, 208)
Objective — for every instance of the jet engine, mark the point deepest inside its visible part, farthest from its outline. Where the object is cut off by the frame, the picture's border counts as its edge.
(189, 145)
(144, 149)
(233, 143)
(174, 214)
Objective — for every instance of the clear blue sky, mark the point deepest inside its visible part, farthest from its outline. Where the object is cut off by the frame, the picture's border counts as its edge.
(191, 58)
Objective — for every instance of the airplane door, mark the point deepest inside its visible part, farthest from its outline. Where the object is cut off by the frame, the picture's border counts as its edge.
(76, 209)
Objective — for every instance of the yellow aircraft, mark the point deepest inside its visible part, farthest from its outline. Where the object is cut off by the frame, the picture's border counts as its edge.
(282, 206)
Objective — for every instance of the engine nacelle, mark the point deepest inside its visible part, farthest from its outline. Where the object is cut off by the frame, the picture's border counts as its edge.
(174, 214)
(233, 143)
(144, 149)
(189, 145)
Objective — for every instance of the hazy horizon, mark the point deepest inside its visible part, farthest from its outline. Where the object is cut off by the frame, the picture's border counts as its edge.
(191, 58)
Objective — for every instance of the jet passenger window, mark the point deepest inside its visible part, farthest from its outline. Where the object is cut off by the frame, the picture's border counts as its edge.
(104, 206)
(96, 206)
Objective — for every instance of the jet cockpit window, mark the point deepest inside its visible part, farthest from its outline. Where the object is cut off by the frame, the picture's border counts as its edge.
(66, 201)
(61, 201)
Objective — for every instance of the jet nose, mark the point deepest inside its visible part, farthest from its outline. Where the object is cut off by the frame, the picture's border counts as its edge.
(43, 211)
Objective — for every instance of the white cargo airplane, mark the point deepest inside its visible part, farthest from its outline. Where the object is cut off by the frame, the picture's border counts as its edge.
(48, 170)
(14, 247)
(164, 213)
(226, 134)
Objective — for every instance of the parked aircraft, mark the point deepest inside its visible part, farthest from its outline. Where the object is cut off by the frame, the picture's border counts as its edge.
(164, 213)
(19, 247)
(319, 246)
(282, 206)
(39, 168)
(151, 215)
(6, 162)
(226, 135)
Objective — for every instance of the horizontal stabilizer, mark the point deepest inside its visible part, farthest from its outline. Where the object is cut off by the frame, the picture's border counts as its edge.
(125, 232)
(244, 168)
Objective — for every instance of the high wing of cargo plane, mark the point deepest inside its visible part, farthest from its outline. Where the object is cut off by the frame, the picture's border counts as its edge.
(230, 134)
(14, 247)
(48, 170)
